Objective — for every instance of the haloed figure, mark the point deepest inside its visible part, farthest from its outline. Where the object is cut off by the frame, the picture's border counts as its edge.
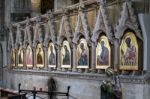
(83, 56)
(130, 54)
(66, 59)
(51, 56)
(103, 58)
(39, 57)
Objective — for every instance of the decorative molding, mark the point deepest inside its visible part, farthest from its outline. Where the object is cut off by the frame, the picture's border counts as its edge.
(143, 79)
(127, 20)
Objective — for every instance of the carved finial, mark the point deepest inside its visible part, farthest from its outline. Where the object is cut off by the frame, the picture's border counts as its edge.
(38, 18)
(81, 6)
(50, 14)
(27, 21)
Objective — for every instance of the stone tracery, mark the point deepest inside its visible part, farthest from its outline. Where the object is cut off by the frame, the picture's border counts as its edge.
(82, 29)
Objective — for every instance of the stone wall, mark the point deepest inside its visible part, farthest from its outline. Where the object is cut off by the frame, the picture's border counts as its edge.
(83, 86)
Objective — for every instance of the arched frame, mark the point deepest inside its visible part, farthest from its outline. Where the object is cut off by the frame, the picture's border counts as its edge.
(51, 55)
(65, 55)
(103, 53)
(39, 56)
(82, 54)
(128, 52)
(29, 56)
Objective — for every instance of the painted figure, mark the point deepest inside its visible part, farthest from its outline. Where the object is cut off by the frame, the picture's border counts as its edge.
(12, 58)
(29, 57)
(103, 58)
(130, 54)
(83, 56)
(51, 56)
(20, 57)
(66, 59)
(39, 57)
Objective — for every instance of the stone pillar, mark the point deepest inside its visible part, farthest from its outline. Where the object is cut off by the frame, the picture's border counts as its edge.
(74, 58)
(116, 54)
(34, 58)
(93, 54)
(58, 58)
(46, 58)
(24, 59)
(16, 55)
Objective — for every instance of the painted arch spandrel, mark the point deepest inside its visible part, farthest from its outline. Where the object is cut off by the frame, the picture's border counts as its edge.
(20, 57)
(129, 52)
(65, 55)
(39, 56)
(51, 55)
(29, 57)
(82, 54)
(103, 52)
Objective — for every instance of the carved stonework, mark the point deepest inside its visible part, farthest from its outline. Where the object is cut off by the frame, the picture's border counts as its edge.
(82, 22)
(127, 20)
(102, 24)
(50, 29)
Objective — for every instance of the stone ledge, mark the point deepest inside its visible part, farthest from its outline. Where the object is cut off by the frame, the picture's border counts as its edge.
(143, 79)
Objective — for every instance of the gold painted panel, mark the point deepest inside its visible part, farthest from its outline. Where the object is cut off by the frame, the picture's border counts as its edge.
(29, 57)
(39, 56)
(129, 52)
(65, 55)
(103, 52)
(51, 55)
(82, 54)
(12, 58)
(20, 57)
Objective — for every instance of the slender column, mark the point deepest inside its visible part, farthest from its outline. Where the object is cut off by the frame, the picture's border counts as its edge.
(74, 58)
(93, 59)
(46, 58)
(116, 54)
(34, 58)
(58, 59)
(24, 59)
(16, 60)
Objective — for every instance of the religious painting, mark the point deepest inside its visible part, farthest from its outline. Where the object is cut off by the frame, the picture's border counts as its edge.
(82, 54)
(103, 53)
(20, 57)
(12, 58)
(65, 55)
(39, 56)
(129, 52)
(29, 58)
(51, 55)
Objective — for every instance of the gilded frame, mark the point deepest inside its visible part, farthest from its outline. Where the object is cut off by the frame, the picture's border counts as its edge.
(103, 53)
(29, 57)
(129, 55)
(83, 49)
(39, 56)
(65, 55)
(20, 57)
(12, 58)
(51, 62)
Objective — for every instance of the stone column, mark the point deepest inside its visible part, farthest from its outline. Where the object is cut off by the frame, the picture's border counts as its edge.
(74, 64)
(93, 54)
(46, 58)
(58, 58)
(34, 58)
(16, 60)
(24, 59)
(116, 54)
